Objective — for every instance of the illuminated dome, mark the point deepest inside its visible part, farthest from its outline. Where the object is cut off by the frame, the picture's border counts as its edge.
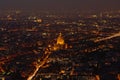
(60, 40)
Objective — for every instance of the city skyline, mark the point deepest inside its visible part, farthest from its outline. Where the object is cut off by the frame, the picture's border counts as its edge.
(59, 40)
(57, 46)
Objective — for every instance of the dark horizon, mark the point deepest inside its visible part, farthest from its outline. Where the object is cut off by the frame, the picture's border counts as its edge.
(57, 5)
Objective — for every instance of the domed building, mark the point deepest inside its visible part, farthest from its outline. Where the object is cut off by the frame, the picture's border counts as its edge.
(60, 43)
(60, 40)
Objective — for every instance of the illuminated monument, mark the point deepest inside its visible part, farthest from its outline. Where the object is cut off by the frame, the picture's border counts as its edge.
(60, 40)
(60, 43)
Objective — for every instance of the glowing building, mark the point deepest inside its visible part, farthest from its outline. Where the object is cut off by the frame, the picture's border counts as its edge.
(60, 43)
(60, 40)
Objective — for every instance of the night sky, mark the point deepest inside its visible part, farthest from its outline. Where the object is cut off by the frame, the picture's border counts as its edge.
(60, 4)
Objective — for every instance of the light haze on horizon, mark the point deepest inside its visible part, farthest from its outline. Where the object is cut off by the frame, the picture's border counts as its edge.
(95, 5)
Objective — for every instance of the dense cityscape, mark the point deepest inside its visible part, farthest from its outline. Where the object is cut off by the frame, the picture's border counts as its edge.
(59, 46)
